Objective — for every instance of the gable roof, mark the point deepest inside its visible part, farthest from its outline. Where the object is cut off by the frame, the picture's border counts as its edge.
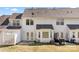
(4, 19)
(44, 26)
(73, 26)
(6, 22)
(16, 16)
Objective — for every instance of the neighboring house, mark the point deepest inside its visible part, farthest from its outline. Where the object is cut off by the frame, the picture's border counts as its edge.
(43, 24)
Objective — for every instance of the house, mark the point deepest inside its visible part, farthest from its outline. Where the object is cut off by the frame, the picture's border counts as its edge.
(40, 24)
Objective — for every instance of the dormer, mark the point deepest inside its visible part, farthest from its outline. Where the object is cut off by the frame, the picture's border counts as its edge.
(15, 19)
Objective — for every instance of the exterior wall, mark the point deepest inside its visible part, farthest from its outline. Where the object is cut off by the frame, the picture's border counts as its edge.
(1, 37)
(17, 36)
(45, 20)
(71, 21)
(42, 16)
(27, 28)
(70, 32)
(9, 37)
(41, 20)
(76, 35)
(51, 32)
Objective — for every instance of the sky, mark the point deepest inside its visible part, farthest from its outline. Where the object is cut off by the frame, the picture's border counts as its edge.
(10, 10)
(12, 6)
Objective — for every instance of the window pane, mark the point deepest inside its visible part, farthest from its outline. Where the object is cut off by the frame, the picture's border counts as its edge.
(27, 35)
(31, 22)
(18, 22)
(39, 35)
(32, 35)
(45, 35)
(56, 35)
(14, 22)
(61, 35)
(57, 23)
(27, 22)
(50, 34)
(62, 23)
(73, 34)
(78, 34)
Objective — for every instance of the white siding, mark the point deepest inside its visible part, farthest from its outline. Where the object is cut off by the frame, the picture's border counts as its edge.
(71, 21)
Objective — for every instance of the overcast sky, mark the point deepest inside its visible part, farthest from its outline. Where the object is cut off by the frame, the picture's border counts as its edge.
(10, 6)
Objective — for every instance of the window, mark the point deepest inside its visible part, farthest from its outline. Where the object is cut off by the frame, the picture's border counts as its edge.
(16, 22)
(50, 34)
(32, 35)
(27, 35)
(45, 34)
(69, 12)
(73, 34)
(60, 22)
(61, 35)
(78, 34)
(38, 34)
(57, 23)
(56, 35)
(29, 22)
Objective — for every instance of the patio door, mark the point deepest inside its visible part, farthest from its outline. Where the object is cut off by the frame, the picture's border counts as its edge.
(29, 35)
(56, 35)
(59, 35)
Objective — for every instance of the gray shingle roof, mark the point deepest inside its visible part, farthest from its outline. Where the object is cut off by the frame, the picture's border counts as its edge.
(14, 27)
(52, 12)
(6, 22)
(73, 26)
(44, 26)
(4, 19)
(16, 16)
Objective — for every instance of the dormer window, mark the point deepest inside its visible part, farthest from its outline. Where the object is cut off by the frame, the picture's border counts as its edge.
(16, 22)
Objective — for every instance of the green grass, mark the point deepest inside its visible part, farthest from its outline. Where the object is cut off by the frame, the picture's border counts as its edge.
(40, 48)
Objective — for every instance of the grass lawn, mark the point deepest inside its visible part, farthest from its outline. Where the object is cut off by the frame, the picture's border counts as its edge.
(40, 48)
